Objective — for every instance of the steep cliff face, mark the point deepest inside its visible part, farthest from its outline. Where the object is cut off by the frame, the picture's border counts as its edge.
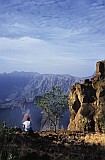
(87, 103)
(16, 88)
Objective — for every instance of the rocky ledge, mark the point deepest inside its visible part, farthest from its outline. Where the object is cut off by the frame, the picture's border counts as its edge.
(52, 146)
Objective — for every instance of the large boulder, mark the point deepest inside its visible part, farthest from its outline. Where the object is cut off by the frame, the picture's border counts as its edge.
(87, 103)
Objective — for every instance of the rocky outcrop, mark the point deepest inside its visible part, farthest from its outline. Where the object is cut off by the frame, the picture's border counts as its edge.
(87, 103)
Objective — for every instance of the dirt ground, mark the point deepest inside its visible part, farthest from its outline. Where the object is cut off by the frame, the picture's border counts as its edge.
(48, 145)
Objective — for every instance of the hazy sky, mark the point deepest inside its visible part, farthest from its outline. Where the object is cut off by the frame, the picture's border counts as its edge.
(52, 36)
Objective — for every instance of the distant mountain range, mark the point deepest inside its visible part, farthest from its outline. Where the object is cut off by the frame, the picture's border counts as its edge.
(18, 88)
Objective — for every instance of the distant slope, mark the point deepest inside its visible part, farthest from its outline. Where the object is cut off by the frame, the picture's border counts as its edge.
(16, 88)
(13, 82)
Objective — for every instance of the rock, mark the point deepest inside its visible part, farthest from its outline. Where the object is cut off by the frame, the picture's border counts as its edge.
(87, 103)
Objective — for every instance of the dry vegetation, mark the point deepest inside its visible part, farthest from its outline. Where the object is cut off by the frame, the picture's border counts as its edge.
(48, 145)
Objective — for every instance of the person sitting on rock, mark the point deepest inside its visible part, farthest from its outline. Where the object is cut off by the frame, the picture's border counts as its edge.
(27, 124)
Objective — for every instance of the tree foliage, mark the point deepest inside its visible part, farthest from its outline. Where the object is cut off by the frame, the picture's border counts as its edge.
(54, 103)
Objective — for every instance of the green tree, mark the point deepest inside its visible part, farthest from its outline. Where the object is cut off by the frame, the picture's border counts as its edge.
(54, 103)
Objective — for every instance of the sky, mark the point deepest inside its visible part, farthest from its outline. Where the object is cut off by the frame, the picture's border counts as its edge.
(52, 36)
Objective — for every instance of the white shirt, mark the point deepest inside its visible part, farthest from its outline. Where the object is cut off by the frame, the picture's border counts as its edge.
(27, 125)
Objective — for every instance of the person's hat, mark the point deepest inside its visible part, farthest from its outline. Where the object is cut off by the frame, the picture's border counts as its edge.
(27, 118)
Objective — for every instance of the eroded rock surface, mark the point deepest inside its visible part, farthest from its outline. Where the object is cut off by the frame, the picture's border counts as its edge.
(87, 103)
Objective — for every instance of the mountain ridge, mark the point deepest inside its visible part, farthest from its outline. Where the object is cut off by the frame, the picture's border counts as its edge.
(19, 87)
